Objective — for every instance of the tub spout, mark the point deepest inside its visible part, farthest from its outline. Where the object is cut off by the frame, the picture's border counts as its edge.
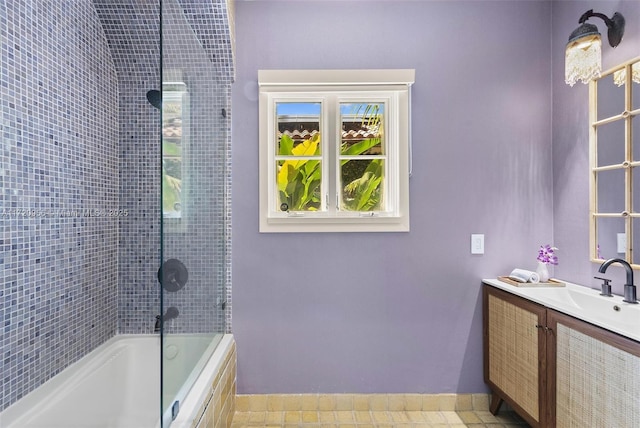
(172, 313)
(629, 288)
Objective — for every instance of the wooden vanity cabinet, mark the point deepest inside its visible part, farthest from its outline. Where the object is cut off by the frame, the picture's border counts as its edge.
(515, 350)
(555, 370)
(594, 375)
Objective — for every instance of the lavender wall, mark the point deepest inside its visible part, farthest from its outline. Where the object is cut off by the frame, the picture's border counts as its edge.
(396, 312)
(571, 137)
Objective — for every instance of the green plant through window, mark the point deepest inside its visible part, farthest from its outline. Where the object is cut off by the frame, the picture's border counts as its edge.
(361, 163)
(362, 157)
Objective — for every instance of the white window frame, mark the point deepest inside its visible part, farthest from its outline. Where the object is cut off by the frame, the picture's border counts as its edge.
(330, 87)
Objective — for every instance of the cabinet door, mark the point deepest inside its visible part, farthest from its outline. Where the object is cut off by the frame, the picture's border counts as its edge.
(514, 353)
(594, 375)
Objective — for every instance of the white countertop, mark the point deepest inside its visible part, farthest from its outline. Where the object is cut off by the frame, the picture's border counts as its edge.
(583, 303)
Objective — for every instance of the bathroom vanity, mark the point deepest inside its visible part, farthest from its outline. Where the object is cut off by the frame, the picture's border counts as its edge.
(562, 356)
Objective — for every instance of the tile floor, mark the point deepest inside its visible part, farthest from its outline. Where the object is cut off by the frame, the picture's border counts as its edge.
(377, 419)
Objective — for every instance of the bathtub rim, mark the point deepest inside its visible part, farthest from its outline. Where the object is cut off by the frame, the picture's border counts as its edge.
(201, 390)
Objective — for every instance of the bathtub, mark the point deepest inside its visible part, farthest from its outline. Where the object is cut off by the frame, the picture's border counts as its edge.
(118, 385)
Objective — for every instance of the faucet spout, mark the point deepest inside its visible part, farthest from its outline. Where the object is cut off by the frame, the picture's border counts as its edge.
(629, 288)
(172, 313)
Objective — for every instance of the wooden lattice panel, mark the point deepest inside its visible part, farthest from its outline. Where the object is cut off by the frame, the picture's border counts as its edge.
(597, 385)
(513, 353)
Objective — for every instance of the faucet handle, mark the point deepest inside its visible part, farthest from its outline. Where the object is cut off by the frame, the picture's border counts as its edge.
(605, 286)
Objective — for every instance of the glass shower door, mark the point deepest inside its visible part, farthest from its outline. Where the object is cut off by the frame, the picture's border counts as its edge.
(193, 272)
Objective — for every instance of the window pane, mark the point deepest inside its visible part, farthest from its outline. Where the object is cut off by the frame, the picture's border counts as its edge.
(611, 138)
(362, 184)
(299, 185)
(610, 97)
(298, 129)
(172, 139)
(608, 229)
(362, 126)
(611, 191)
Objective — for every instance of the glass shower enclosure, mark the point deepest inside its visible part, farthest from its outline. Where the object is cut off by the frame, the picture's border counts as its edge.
(195, 92)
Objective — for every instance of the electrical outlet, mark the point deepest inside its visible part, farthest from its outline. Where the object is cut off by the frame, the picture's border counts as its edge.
(477, 243)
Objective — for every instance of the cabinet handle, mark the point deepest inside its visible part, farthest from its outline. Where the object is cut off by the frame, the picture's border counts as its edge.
(544, 327)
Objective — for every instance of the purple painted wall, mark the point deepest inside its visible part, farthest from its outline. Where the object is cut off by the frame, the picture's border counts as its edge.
(396, 312)
(571, 137)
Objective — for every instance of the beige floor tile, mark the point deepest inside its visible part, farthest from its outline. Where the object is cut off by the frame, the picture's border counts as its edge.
(362, 417)
(327, 402)
(275, 403)
(447, 402)
(361, 402)
(292, 417)
(487, 417)
(396, 403)
(464, 402)
(415, 416)
(480, 402)
(435, 418)
(310, 402)
(378, 402)
(430, 403)
(413, 402)
(327, 417)
(310, 416)
(257, 403)
(257, 417)
(400, 417)
(381, 417)
(292, 402)
(469, 417)
(241, 417)
(452, 417)
(344, 402)
(242, 403)
(274, 417)
(344, 417)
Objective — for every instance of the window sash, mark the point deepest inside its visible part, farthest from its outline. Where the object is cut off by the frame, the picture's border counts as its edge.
(330, 157)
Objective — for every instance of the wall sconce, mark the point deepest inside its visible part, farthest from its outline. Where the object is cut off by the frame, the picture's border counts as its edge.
(583, 57)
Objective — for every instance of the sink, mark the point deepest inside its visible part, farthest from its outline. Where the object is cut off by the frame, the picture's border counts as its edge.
(586, 304)
(607, 308)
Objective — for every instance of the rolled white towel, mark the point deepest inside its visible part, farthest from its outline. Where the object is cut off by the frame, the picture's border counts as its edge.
(523, 275)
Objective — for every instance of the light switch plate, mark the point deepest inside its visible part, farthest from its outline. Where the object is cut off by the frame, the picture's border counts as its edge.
(622, 242)
(477, 243)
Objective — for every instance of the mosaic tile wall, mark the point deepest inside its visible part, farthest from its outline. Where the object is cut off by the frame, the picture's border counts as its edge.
(79, 139)
(201, 238)
(59, 183)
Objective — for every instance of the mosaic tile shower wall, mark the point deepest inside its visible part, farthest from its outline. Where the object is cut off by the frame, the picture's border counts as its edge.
(59, 190)
(80, 177)
(201, 237)
(198, 237)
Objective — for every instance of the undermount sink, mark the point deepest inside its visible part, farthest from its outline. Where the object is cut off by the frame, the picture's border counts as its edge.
(586, 304)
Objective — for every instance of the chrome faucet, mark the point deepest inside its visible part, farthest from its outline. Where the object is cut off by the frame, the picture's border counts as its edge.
(629, 288)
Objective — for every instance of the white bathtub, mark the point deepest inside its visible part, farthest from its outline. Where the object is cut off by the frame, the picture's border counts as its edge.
(118, 385)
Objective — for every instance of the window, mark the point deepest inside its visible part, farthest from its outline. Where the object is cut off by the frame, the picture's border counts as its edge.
(175, 126)
(334, 150)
